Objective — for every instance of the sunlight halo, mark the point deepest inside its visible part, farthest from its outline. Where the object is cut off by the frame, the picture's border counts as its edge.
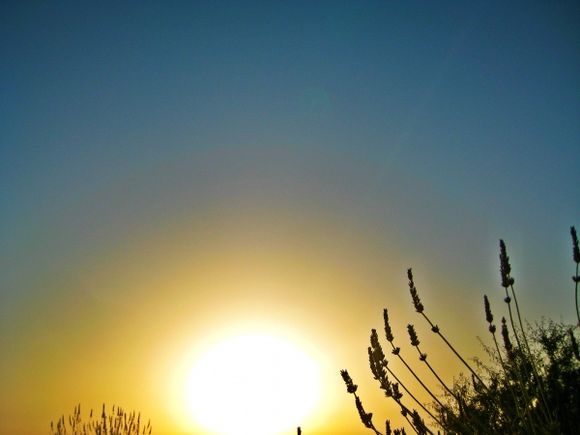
(255, 384)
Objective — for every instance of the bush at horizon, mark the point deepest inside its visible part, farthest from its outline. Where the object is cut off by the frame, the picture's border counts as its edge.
(532, 385)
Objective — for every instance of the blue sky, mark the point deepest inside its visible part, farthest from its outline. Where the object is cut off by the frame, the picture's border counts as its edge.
(431, 128)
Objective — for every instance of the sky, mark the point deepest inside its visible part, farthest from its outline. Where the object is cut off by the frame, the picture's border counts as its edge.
(174, 172)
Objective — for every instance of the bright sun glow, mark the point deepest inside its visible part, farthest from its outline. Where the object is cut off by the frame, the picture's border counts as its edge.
(252, 384)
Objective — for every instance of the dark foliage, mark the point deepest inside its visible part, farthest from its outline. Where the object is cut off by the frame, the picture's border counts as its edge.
(531, 387)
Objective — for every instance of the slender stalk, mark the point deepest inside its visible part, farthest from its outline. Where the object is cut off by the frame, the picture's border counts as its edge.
(423, 358)
(576, 258)
(419, 308)
(514, 329)
(369, 424)
(406, 412)
(396, 351)
(503, 366)
(539, 381)
(492, 329)
(576, 279)
(508, 282)
(435, 329)
(411, 424)
(413, 397)
(380, 369)
(522, 369)
(366, 418)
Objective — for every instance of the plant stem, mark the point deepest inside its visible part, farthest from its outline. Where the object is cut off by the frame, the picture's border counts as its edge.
(454, 351)
(576, 293)
(413, 397)
(518, 410)
(423, 357)
(418, 379)
(539, 381)
(406, 412)
(372, 426)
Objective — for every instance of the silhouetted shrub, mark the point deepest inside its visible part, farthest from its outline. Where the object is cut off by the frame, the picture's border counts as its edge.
(115, 422)
(532, 385)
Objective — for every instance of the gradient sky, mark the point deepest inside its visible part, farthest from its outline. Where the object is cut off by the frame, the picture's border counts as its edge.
(171, 171)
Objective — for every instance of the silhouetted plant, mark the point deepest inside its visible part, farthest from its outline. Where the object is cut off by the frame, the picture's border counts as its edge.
(576, 277)
(531, 386)
(115, 422)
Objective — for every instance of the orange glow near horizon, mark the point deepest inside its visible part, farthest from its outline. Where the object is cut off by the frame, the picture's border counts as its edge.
(163, 306)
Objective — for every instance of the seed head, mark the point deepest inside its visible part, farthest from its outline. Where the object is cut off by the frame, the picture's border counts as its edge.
(376, 347)
(388, 330)
(575, 248)
(378, 363)
(418, 423)
(367, 419)
(376, 367)
(413, 335)
(397, 395)
(416, 301)
(504, 266)
(350, 386)
(507, 344)
(488, 315)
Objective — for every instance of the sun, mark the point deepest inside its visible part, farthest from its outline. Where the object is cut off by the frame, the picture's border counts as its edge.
(254, 384)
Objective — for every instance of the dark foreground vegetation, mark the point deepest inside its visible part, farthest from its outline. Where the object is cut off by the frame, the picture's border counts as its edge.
(114, 422)
(532, 385)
